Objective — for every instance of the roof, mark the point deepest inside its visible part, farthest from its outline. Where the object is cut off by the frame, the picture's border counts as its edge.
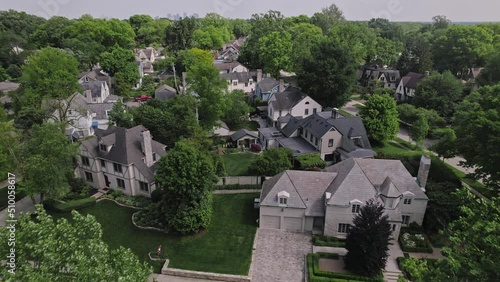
(7, 86)
(298, 145)
(95, 87)
(101, 109)
(221, 124)
(270, 133)
(242, 77)
(412, 79)
(165, 92)
(266, 85)
(126, 147)
(288, 99)
(305, 189)
(224, 66)
(242, 133)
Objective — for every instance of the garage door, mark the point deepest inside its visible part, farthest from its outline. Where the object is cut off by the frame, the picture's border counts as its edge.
(270, 222)
(292, 223)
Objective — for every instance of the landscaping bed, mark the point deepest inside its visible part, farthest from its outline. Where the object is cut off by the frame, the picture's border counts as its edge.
(133, 201)
(413, 242)
(408, 271)
(224, 247)
(328, 241)
(317, 275)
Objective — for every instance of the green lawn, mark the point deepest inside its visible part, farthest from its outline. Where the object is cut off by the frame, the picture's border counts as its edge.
(238, 164)
(225, 247)
(344, 113)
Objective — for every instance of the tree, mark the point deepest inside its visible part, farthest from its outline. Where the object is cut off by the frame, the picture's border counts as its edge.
(47, 161)
(179, 35)
(440, 92)
(477, 125)
(304, 37)
(116, 59)
(330, 73)
(328, 17)
(367, 241)
(3, 74)
(187, 175)
(275, 51)
(419, 129)
(10, 145)
(440, 22)
(357, 36)
(490, 75)
(52, 32)
(474, 248)
(14, 72)
(210, 37)
(272, 162)
(446, 147)
(241, 28)
(120, 116)
(50, 73)
(380, 117)
(387, 52)
(237, 108)
(67, 251)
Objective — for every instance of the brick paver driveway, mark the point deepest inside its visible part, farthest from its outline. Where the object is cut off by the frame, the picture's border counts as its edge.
(280, 256)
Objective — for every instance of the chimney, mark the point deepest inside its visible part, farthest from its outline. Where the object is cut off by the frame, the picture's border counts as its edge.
(282, 86)
(335, 113)
(259, 75)
(147, 149)
(423, 171)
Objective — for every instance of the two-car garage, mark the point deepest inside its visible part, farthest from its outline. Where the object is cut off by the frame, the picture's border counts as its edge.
(282, 222)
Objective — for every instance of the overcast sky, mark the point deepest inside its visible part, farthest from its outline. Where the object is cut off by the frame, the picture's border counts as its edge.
(396, 10)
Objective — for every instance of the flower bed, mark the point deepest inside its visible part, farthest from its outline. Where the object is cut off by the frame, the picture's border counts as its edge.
(137, 201)
(415, 243)
(317, 275)
(328, 241)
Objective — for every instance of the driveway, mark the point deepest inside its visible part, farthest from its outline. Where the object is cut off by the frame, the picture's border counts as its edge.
(280, 256)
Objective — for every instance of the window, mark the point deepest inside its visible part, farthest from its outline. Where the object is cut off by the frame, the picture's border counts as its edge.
(85, 161)
(103, 163)
(307, 103)
(144, 186)
(251, 82)
(316, 141)
(330, 143)
(117, 167)
(407, 201)
(356, 208)
(235, 83)
(306, 112)
(307, 134)
(394, 227)
(120, 183)
(154, 157)
(246, 84)
(89, 177)
(406, 219)
(283, 201)
(343, 228)
(315, 110)
(311, 138)
(103, 147)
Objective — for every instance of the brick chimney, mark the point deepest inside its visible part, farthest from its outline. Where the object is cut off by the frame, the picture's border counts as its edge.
(423, 171)
(259, 75)
(282, 86)
(147, 149)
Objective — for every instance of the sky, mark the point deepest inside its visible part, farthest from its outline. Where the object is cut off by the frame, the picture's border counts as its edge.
(395, 10)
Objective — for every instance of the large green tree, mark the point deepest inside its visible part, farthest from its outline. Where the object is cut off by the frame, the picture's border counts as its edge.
(419, 129)
(275, 52)
(237, 108)
(304, 37)
(441, 92)
(490, 75)
(52, 32)
(330, 73)
(272, 162)
(10, 145)
(187, 176)
(380, 117)
(121, 116)
(368, 241)
(179, 35)
(446, 146)
(477, 125)
(116, 59)
(329, 17)
(357, 36)
(63, 250)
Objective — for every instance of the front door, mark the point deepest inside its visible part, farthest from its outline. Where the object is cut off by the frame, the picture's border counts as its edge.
(106, 181)
(318, 223)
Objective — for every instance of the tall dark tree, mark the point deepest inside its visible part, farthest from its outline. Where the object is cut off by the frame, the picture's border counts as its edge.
(328, 17)
(179, 35)
(380, 117)
(330, 73)
(368, 241)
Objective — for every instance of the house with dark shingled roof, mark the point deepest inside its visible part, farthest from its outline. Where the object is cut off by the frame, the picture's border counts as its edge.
(408, 86)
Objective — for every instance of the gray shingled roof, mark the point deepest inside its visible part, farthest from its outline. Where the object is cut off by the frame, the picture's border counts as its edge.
(412, 79)
(267, 132)
(287, 99)
(165, 92)
(388, 189)
(242, 77)
(298, 145)
(126, 147)
(94, 87)
(306, 190)
(223, 66)
(100, 109)
(266, 85)
(242, 133)
(7, 86)
(293, 124)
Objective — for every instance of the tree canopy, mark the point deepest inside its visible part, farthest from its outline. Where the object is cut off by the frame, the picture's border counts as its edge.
(380, 117)
(272, 162)
(275, 52)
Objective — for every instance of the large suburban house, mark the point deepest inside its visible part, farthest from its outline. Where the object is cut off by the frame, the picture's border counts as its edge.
(326, 202)
(389, 78)
(290, 101)
(330, 134)
(228, 67)
(99, 101)
(75, 111)
(245, 81)
(121, 159)
(95, 75)
(408, 86)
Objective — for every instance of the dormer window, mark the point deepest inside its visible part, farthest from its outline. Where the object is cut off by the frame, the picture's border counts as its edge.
(103, 147)
(407, 201)
(283, 198)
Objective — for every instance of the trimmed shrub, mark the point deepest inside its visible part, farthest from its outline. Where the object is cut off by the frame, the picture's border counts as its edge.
(63, 207)
(317, 275)
(116, 193)
(415, 243)
(151, 216)
(310, 161)
(156, 195)
(328, 241)
(255, 148)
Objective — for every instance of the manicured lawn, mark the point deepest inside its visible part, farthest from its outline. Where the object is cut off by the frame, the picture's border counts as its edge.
(225, 247)
(238, 164)
(344, 113)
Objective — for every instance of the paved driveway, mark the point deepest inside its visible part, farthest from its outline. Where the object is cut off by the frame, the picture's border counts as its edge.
(280, 256)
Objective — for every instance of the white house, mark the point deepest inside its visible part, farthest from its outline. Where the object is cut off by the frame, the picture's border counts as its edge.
(291, 101)
(121, 159)
(407, 86)
(245, 81)
(326, 202)
(389, 78)
(229, 67)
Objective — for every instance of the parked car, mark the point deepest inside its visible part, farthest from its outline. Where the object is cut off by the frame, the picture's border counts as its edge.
(142, 98)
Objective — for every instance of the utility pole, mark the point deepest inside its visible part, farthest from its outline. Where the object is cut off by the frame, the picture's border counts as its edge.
(175, 77)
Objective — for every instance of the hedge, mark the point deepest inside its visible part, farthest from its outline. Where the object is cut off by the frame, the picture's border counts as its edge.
(405, 248)
(64, 207)
(317, 275)
(328, 241)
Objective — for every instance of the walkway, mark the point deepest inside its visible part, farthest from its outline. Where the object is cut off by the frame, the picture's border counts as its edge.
(24, 205)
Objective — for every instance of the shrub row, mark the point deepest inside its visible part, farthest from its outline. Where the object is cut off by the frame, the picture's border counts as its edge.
(400, 261)
(317, 275)
(63, 207)
(238, 187)
(328, 241)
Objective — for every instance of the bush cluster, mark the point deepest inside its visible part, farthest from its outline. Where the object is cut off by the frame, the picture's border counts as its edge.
(415, 243)
(328, 241)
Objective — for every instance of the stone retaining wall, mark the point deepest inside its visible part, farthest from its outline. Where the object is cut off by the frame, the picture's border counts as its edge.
(118, 203)
(202, 275)
(146, 228)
